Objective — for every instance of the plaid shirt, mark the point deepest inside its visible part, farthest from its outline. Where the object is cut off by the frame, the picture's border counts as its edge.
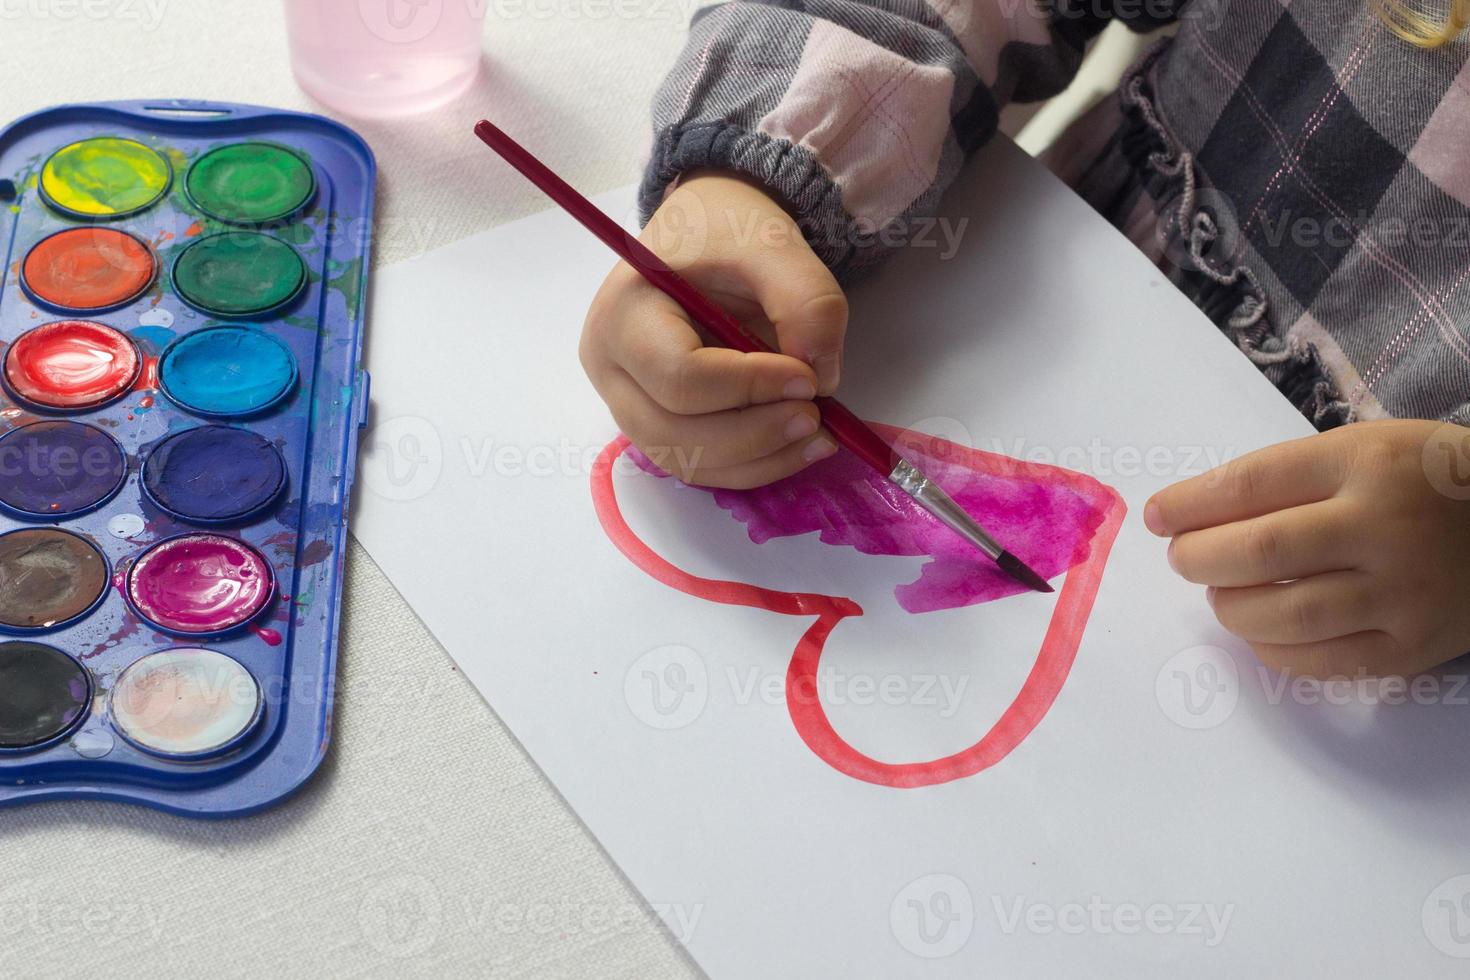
(1296, 169)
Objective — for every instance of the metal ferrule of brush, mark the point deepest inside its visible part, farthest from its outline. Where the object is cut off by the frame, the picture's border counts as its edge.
(930, 496)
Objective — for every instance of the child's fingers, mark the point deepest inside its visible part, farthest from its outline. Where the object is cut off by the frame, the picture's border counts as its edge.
(684, 445)
(1291, 474)
(777, 466)
(1305, 611)
(1288, 544)
(806, 306)
(662, 352)
(1371, 652)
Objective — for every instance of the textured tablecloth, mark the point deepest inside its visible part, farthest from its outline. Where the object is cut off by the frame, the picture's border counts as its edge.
(428, 845)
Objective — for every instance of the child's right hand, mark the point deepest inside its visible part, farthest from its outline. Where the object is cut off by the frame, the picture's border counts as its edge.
(709, 415)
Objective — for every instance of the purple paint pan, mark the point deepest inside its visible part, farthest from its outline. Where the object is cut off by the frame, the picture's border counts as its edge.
(214, 474)
(52, 471)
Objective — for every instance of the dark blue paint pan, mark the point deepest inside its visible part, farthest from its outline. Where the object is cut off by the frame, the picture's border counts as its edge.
(214, 474)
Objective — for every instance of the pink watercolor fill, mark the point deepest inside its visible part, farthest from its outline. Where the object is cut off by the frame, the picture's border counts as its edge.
(1046, 522)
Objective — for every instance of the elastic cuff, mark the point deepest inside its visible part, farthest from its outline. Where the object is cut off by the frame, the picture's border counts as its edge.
(791, 173)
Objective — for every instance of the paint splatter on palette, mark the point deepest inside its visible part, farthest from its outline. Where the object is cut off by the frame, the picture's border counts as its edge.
(180, 345)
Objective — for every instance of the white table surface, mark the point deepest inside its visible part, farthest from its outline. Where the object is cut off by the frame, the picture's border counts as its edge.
(428, 845)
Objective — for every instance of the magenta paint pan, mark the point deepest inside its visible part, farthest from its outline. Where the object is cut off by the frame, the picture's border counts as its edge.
(49, 578)
(56, 470)
(200, 584)
(214, 474)
(186, 704)
(44, 695)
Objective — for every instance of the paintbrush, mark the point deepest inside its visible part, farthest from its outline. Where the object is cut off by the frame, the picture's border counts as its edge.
(850, 431)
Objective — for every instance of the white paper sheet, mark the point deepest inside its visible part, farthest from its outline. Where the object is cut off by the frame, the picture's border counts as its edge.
(1174, 809)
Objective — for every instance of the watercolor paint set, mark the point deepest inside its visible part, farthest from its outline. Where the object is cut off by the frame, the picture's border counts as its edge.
(181, 311)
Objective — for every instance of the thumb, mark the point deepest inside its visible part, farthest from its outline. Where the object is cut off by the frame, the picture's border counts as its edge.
(808, 309)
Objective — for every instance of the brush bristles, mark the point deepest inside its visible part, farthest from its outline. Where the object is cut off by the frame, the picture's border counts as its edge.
(1021, 572)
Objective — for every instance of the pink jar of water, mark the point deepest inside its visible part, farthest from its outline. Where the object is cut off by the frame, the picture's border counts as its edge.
(383, 58)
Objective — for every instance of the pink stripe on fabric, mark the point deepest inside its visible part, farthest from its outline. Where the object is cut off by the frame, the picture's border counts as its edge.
(1400, 341)
(1314, 122)
(877, 121)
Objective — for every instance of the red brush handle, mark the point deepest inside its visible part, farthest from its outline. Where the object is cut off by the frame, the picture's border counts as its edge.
(850, 430)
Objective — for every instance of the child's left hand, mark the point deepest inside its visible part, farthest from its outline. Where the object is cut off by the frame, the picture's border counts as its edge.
(1339, 554)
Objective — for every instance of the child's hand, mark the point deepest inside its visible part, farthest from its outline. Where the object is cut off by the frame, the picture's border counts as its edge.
(1337, 554)
(710, 415)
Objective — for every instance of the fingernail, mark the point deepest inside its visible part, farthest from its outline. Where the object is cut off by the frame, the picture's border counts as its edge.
(818, 449)
(799, 389)
(1153, 518)
(800, 426)
(829, 371)
(1170, 555)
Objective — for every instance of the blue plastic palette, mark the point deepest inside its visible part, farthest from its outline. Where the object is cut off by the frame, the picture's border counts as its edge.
(176, 463)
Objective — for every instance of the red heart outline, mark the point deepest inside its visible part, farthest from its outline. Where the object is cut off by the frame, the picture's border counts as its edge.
(1038, 693)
